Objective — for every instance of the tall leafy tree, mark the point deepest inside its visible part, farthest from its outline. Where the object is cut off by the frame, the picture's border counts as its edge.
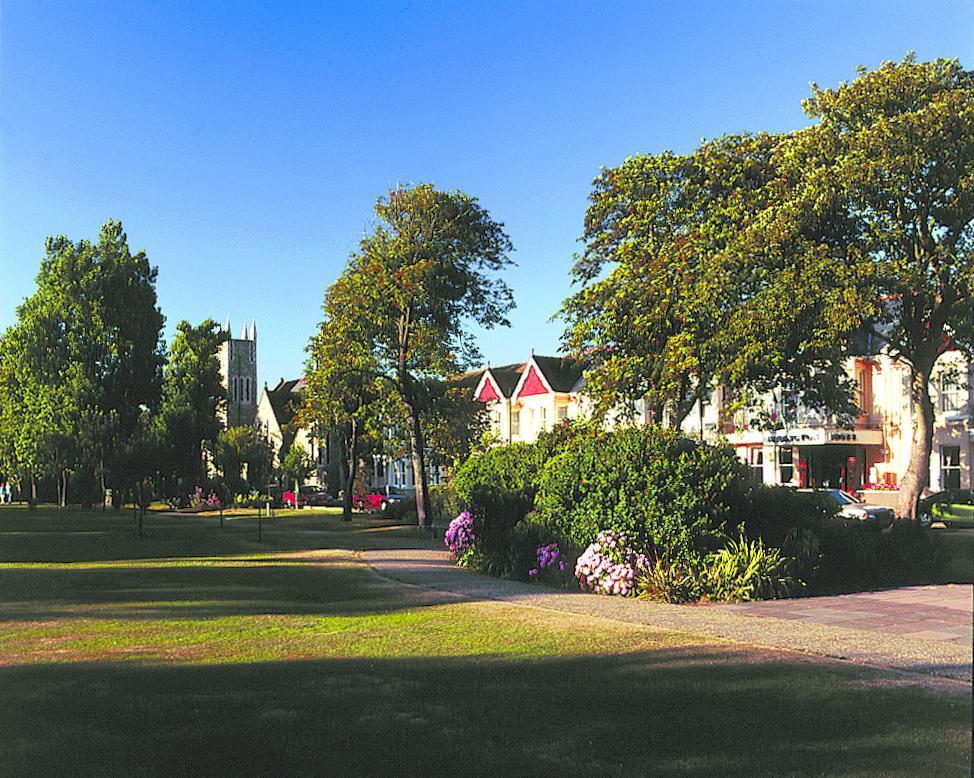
(193, 397)
(888, 171)
(425, 273)
(675, 295)
(84, 357)
(344, 396)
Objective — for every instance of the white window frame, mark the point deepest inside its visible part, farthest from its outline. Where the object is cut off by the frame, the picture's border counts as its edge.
(946, 469)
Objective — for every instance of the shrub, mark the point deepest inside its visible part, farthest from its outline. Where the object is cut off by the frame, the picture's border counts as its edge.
(401, 510)
(775, 512)
(498, 488)
(609, 565)
(444, 503)
(460, 538)
(748, 570)
(666, 581)
(665, 492)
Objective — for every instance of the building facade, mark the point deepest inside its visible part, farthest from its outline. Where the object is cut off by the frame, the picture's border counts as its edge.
(276, 420)
(780, 441)
(238, 369)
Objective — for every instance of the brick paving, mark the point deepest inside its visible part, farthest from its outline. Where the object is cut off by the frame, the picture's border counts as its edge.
(939, 613)
(917, 629)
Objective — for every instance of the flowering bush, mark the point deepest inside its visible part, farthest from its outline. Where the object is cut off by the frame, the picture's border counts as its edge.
(460, 537)
(551, 565)
(609, 565)
(201, 501)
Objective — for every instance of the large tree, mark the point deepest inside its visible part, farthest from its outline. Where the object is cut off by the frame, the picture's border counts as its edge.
(676, 294)
(192, 398)
(344, 397)
(424, 274)
(889, 168)
(84, 359)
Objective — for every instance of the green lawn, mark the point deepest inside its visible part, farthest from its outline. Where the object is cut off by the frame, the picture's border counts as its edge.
(200, 650)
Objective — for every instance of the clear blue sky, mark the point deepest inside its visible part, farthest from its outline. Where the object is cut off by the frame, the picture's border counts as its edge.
(243, 144)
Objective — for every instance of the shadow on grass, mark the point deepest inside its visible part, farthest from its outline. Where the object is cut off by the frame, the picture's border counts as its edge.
(720, 712)
(204, 589)
(72, 535)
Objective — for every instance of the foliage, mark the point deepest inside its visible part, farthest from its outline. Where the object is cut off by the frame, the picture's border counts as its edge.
(82, 361)
(460, 537)
(252, 500)
(610, 565)
(666, 493)
(498, 487)
(885, 178)
(679, 306)
(296, 465)
(344, 396)
(193, 396)
(748, 570)
(671, 582)
(444, 502)
(419, 279)
(240, 447)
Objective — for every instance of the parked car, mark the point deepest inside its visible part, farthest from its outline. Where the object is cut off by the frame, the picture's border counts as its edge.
(290, 501)
(380, 499)
(316, 496)
(953, 507)
(851, 507)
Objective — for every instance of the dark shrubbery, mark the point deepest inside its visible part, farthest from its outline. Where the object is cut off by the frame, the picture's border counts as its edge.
(837, 554)
(498, 488)
(444, 503)
(667, 494)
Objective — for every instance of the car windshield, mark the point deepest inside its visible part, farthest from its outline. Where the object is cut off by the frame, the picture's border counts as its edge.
(843, 498)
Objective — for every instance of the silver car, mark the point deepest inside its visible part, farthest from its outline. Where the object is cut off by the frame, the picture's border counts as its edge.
(851, 507)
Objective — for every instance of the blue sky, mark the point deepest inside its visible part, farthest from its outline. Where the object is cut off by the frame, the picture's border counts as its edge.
(243, 144)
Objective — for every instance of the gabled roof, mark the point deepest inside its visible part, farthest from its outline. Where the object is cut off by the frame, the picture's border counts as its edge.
(563, 374)
(507, 376)
(285, 398)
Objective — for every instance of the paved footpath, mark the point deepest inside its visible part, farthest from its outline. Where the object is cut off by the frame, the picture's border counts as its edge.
(921, 629)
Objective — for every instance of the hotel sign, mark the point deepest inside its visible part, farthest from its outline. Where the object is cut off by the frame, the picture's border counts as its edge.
(819, 436)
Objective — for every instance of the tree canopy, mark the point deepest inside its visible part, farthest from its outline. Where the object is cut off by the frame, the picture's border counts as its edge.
(420, 279)
(83, 361)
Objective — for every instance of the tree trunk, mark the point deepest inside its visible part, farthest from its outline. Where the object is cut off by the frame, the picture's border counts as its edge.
(63, 488)
(32, 502)
(349, 466)
(419, 468)
(917, 475)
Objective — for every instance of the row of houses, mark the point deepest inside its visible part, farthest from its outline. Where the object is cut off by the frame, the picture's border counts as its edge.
(799, 447)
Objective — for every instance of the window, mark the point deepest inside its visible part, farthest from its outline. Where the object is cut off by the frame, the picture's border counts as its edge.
(786, 465)
(950, 467)
(561, 413)
(544, 418)
(515, 422)
(756, 461)
(952, 397)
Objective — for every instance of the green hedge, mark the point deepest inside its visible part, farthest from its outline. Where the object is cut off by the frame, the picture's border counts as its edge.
(665, 492)
(498, 488)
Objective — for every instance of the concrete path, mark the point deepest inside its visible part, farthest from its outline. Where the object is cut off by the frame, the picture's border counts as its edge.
(923, 629)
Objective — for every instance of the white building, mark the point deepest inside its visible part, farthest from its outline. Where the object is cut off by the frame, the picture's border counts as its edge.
(781, 443)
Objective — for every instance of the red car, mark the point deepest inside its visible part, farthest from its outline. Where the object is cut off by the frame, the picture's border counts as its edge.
(380, 499)
(288, 499)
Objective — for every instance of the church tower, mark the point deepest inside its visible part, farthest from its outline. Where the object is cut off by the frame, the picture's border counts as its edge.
(238, 369)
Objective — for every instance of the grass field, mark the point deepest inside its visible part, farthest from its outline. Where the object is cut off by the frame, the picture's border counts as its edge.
(199, 650)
